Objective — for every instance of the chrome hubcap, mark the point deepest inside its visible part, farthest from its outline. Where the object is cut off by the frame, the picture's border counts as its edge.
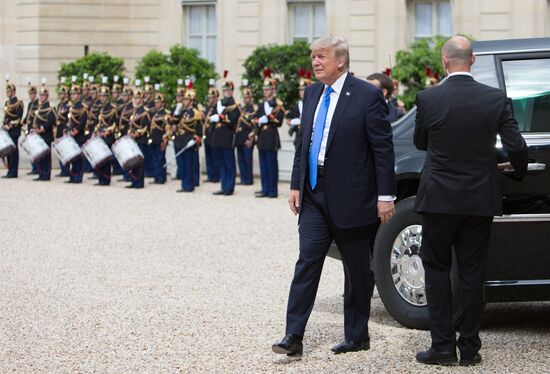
(406, 266)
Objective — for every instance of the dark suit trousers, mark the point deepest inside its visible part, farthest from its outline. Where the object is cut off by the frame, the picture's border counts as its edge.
(316, 235)
(470, 236)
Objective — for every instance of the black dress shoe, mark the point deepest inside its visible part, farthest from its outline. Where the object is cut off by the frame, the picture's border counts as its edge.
(272, 196)
(351, 346)
(100, 184)
(8, 176)
(70, 181)
(291, 345)
(155, 182)
(228, 193)
(182, 190)
(130, 186)
(124, 180)
(433, 357)
(260, 194)
(220, 192)
(466, 361)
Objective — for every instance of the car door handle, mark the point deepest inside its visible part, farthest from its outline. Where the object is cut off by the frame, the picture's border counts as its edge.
(536, 166)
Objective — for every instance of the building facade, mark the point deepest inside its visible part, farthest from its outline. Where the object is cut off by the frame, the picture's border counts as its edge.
(36, 36)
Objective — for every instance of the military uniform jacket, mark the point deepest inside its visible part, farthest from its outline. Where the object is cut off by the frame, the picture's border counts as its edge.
(161, 119)
(245, 125)
(13, 112)
(62, 114)
(93, 116)
(295, 112)
(124, 121)
(44, 118)
(189, 126)
(209, 127)
(268, 134)
(108, 121)
(139, 124)
(224, 134)
(78, 118)
(31, 110)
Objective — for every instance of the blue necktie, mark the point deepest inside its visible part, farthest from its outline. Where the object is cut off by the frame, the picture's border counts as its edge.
(318, 137)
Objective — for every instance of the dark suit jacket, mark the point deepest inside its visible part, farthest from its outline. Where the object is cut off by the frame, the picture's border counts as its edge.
(457, 123)
(359, 159)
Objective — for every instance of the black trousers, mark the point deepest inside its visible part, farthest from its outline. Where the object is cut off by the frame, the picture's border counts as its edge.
(470, 237)
(317, 232)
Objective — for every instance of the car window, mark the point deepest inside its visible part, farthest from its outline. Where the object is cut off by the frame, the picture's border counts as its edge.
(528, 85)
(484, 70)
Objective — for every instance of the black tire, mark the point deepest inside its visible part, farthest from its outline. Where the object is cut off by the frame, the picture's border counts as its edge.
(407, 314)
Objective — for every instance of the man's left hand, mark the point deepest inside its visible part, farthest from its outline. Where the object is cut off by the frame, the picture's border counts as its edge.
(386, 210)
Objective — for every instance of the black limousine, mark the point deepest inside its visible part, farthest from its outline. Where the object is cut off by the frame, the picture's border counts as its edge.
(519, 258)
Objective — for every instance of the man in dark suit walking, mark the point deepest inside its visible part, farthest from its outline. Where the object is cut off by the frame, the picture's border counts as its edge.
(342, 186)
(457, 123)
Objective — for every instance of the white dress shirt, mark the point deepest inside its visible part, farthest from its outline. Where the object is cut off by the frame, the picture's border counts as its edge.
(460, 73)
(334, 96)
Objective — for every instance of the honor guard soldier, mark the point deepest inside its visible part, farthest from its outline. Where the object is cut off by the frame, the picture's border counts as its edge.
(296, 112)
(62, 114)
(188, 135)
(139, 128)
(13, 114)
(86, 85)
(244, 139)
(117, 101)
(78, 118)
(124, 122)
(160, 135)
(106, 127)
(212, 168)
(223, 140)
(44, 124)
(270, 116)
(93, 118)
(32, 106)
(149, 105)
(176, 118)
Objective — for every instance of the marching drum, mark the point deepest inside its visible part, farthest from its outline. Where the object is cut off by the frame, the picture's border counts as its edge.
(67, 149)
(6, 144)
(127, 152)
(35, 146)
(96, 151)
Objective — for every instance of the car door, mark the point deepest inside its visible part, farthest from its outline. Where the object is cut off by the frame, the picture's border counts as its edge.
(520, 250)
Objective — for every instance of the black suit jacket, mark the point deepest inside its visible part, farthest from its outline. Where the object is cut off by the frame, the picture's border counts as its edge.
(359, 158)
(457, 123)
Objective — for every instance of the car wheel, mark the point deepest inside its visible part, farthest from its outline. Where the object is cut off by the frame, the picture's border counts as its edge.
(398, 269)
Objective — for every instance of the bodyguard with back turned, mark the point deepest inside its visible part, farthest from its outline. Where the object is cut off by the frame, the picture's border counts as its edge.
(457, 124)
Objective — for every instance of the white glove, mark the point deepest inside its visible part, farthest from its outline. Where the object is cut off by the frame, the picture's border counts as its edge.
(262, 120)
(295, 122)
(219, 107)
(214, 118)
(177, 111)
(267, 108)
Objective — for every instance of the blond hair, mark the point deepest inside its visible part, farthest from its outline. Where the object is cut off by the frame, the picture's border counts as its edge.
(337, 43)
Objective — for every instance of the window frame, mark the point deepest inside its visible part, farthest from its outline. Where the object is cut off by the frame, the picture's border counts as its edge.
(204, 35)
(435, 18)
(291, 6)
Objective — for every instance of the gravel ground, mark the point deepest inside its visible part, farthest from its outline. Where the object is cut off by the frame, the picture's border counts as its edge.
(110, 280)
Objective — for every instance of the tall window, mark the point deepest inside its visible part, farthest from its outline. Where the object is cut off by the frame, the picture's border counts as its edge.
(307, 20)
(201, 30)
(431, 18)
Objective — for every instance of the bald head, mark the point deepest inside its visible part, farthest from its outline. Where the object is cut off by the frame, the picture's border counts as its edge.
(457, 54)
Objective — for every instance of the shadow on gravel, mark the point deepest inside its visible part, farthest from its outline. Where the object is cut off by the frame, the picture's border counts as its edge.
(335, 305)
(525, 316)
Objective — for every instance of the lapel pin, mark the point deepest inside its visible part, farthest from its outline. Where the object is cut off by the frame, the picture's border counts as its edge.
(347, 93)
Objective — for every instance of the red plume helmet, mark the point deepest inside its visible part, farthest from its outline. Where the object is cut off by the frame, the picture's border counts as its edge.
(301, 72)
(190, 85)
(436, 75)
(308, 74)
(428, 72)
(267, 73)
(387, 72)
(225, 72)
